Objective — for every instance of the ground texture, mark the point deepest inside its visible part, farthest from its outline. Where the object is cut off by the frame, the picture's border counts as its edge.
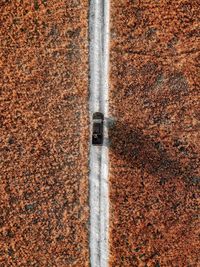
(43, 133)
(155, 148)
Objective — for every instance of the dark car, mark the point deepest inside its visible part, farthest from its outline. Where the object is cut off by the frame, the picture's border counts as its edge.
(97, 131)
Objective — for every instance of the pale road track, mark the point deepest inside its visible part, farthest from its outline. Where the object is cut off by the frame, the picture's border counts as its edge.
(98, 177)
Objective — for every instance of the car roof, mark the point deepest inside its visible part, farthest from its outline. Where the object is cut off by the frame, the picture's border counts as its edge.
(98, 115)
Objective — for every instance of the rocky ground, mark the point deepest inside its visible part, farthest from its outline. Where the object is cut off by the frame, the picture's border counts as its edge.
(155, 149)
(44, 133)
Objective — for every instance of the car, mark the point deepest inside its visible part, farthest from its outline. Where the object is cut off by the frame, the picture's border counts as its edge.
(97, 128)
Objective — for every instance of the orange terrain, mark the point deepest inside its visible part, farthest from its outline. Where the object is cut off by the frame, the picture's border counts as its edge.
(155, 148)
(44, 133)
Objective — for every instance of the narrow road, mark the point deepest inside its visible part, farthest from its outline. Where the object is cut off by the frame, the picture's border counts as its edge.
(99, 58)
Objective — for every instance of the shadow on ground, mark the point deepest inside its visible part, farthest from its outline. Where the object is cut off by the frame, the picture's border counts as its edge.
(142, 151)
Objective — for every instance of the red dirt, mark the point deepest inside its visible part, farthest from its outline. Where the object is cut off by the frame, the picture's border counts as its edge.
(44, 133)
(155, 142)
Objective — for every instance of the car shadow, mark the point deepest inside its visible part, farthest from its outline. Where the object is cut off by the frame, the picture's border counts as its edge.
(138, 150)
